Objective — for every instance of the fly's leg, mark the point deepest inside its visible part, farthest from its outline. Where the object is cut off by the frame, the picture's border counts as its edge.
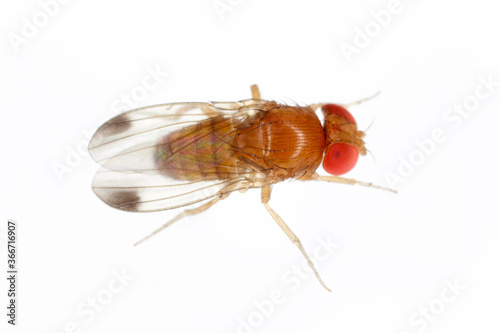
(265, 197)
(187, 212)
(360, 100)
(350, 181)
(347, 106)
(255, 91)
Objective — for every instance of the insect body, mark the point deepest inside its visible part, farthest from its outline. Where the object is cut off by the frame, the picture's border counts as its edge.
(174, 155)
(278, 142)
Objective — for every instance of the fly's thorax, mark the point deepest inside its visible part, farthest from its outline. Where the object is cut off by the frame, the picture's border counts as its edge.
(282, 142)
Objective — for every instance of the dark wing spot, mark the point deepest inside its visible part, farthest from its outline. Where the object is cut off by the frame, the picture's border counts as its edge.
(122, 199)
(116, 125)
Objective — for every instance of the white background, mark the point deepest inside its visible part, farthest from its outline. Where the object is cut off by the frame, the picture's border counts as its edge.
(396, 254)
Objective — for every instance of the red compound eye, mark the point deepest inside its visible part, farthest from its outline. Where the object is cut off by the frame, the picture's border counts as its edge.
(340, 158)
(339, 111)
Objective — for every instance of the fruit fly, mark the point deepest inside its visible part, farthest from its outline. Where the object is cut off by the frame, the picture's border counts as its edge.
(175, 155)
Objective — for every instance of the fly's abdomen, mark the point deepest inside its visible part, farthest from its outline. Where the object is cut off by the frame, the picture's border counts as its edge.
(201, 151)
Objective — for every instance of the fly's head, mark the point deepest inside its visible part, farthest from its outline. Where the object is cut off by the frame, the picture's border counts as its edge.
(344, 142)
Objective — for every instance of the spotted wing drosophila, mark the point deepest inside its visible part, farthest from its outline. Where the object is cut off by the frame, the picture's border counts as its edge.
(175, 155)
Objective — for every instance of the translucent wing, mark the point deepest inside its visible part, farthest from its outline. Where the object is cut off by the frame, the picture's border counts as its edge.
(125, 146)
